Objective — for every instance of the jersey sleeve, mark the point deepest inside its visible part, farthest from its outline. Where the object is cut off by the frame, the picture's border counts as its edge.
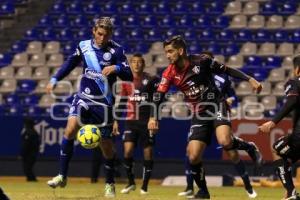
(211, 63)
(291, 88)
(165, 81)
(122, 66)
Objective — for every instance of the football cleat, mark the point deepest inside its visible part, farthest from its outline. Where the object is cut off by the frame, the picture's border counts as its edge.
(57, 181)
(252, 195)
(109, 190)
(200, 195)
(143, 192)
(293, 196)
(187, 192)
(128, 188)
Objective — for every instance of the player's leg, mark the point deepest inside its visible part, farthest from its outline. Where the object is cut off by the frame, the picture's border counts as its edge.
(97, 160)
(189, 190)
(2, 195)
(128, 164)
(66, 152)
(224, 137)
(147, 168)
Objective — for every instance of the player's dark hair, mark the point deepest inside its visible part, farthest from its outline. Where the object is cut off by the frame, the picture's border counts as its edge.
(296, 61)
(176, 41)
(209, 53)
(139, 55)
(105, 23)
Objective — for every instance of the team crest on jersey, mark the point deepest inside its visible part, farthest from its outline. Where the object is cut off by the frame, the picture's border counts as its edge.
(87, 90)
(107, 56)
(196, 69)
(145, 82)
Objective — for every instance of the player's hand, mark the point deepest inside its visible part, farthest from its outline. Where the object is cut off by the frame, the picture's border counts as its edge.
(229, 101)
(267, 127)
(109, 70)
(152, 126)
(256, 86)
(49, 88)
(115, 130)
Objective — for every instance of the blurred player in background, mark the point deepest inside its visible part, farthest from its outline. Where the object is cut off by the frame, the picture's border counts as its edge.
(193, 75)
(224, 85)
(287, 147)
(134, 98)
(103, 60)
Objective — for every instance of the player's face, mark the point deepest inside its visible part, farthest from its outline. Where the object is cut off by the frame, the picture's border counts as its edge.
(297, 71)
(136, 64)
(101, 36)
(172, 53)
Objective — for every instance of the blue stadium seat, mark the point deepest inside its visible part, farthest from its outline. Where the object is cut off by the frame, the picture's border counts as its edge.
(185, 21)
(79, 21)
(231, 49)
(5, 59)
(153, 35)
(12, 99)
(216, 8)
(281, 36)
(110, 8)
(167, 21)
(83, 34)
(132, 21)
(253, 62)
(180, 7)
(141, 47)
(145, 8)
(260, 74)
(203, 22)
(26, 86)
(18, 46)
(163, 7)
(69, 48)
(262, 36)
(2, 110)
(60, 110)
(31, 100)
(48, 35)
(149, 21)
(75, 8)
(66, 34)
(135, 35)
(35, 111)
(170, 32)
(288, 8)
(195, 48)
(92, 8)
(207, 35)
(32, 34)
(62, 21)
(58, 8)
(197, 8)
(15, 110)
(244, 35)
(272, 62)
(116, 20)
(226, 35)
(46, 21)
(127, 8)
(118, 34)
(7, 8)
(295, 38)
(269, 8)
(221, 22)
(214, 48)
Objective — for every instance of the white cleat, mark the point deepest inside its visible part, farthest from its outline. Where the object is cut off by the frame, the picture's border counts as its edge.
(252, 195)
(110, 191)
(143, 192)
(186, 193)
(127, 189)
(57, 181)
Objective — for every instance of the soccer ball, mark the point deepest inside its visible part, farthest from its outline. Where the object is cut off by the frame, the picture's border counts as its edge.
(89, 136)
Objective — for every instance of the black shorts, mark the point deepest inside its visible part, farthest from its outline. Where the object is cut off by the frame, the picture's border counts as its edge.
(203, 125)
(288, 147)
(136, 131)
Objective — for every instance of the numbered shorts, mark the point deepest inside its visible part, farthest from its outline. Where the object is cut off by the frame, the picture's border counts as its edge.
(288, 147)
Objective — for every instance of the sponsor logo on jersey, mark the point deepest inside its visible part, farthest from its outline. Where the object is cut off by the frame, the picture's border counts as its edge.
(196, 69)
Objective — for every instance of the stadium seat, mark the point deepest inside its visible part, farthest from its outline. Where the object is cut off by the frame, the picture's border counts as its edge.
(75, 74)
(225, 35)
(5, 59)
(297, 49)
(254, 62)
(15, 110)
(256, 22)
(46, 101)
(18, 47)
(7, 9)
(287, 62)
(281, 36)
(274, 22)
(12, 99)
(267, 49)
(126, 8)
(34, 47)
(260, 74)
(58, 8)
(82, 34)
(118, 34)
(37, 60)
(238, 22)
(145, 8)
(288, 8)
(273, 62)
(141, 47)
(266, 88)
(243, 89)
(109, 8)
(8, 86)
(185, 22)
(295, 38)
(221, 22)
(269, 8)
(157, 48)
(63, 88)
(52, 47)
(55, 60)
(32, 34)
(79, 21)
(24, 73)
(248, 49)
(48, 35)
(69, 48)
(285, 49)
(249, 100)
(194, 48)
(26, 86)
(190, 35)
(233, 8)
(20, 60)
(235, 61)
(45, 21)
(7, 72)
(170, 32)
(35, 111)
(149, 21)
(75, 8)
(262, 36)
(154, 35)
(41, 87)
(167, 21)
(197, 8)
(207, 35)
(41, 73)
(215, 48)
(160, 61)
(132, 21)
(66, 35)
(135, 35)
(220, 58)
(279, 89)
(277, 75)
(179, 8)
(231, 49)
(292, 22)
(251, 8)
(162, 8)
(62, 21)
(215, 8)
(203, 22)
(92, 8)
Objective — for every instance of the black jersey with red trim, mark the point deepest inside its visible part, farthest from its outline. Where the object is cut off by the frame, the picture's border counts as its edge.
(195, 80)
(138, 94)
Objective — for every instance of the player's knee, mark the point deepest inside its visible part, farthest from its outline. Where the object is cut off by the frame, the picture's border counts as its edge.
(194, 159)
(226, 144)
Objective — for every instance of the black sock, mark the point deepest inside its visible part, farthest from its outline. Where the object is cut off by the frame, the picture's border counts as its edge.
(240, 168)
(238, 143)
(188, 174)
(284, 173)
(128, 164)
(147, 171)
(66, 153)
(199, 176)
(109, 170)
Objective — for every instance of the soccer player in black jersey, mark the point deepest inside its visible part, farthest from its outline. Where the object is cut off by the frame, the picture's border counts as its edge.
(288, 146)
(193, 75)
(136, 96)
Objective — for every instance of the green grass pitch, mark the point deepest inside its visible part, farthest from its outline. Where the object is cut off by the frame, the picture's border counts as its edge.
(81, 189)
